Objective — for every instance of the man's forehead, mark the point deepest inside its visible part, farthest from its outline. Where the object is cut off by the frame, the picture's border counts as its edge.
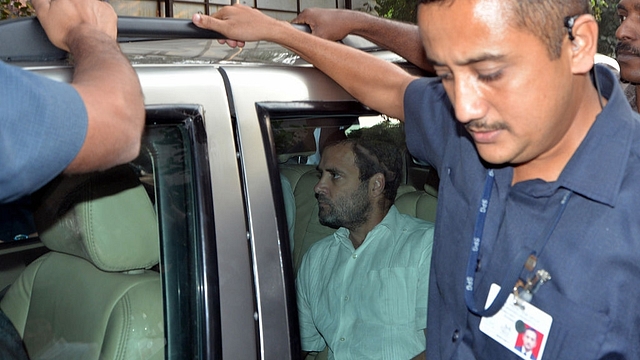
(337, 156)
(481, 10)
(488, 10)
(475, 30)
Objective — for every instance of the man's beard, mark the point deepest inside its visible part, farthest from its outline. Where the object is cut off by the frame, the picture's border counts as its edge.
(348, 212)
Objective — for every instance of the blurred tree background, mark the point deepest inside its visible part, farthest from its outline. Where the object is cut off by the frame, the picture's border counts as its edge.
(607, 16)
(10, 9)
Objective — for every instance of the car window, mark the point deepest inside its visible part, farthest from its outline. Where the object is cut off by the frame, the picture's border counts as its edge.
(16, 221)
(301, 140)
(169, 166)
(175, 179)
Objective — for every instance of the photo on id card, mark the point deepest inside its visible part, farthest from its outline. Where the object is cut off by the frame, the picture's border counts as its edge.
(522, 328)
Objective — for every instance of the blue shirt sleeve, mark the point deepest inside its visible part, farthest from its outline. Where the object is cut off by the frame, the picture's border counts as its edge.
(43, 124)
(429, 120)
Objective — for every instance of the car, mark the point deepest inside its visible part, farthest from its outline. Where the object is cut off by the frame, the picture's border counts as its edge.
(186, 252)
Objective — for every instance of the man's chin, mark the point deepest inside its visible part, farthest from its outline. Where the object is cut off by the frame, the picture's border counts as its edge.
(630, 74)
(329, 223)
(327, 220)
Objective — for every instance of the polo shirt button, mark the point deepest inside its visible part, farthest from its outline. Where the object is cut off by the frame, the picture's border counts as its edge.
(456, 336)
(342, 339)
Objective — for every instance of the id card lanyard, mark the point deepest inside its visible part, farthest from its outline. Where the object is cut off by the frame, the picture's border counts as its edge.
(525, 259)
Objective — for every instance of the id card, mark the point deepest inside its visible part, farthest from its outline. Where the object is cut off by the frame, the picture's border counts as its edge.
(521, 328)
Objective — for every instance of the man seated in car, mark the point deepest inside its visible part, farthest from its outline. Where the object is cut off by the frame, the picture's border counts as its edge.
(362, 292)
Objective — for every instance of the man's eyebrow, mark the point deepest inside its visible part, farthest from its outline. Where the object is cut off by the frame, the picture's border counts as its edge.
(331, 170)
(480, 58)
(636, 7)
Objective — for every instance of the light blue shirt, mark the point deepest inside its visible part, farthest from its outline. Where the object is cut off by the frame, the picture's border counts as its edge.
(43, 124)
(370, 302)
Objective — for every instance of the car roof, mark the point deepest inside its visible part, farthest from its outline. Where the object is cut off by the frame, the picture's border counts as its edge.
(163, 41)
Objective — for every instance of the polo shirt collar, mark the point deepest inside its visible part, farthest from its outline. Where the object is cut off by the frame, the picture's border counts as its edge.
(597, 168)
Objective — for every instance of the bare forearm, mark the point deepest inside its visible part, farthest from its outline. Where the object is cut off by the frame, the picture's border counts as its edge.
(401, 38)
(335, 24)
(111, 92)
(374, 82)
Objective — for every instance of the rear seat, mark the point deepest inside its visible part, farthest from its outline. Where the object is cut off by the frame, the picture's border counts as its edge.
(420, 203)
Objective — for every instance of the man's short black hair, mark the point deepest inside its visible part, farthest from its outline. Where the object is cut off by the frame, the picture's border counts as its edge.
(542, 18)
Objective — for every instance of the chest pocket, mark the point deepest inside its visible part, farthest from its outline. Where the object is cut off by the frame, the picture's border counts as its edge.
(572, 325)
(391, 296)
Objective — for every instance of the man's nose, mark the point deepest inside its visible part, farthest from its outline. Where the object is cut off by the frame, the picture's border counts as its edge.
(320, 187)
(628, 30)
(468, 101)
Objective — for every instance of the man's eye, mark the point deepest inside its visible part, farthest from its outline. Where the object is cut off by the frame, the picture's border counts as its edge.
(622, 17)
(446, 76)
(490, 77)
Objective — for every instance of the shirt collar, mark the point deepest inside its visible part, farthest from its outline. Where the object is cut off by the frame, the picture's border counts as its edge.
(389, 223)
(606, 148)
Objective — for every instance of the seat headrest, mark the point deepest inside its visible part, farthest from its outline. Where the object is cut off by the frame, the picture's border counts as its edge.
(105, 217)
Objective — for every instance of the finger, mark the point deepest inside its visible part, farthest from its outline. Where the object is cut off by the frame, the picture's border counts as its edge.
(207, 22)
(298, 19)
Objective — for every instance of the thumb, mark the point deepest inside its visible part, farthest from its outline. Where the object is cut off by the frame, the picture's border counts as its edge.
(205, 22)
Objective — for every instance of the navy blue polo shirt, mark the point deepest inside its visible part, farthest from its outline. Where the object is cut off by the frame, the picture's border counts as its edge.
(593, 255)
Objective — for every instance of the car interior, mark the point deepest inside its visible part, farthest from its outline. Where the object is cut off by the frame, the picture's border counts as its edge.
(97, 292)
(417, 194)
(98, 288)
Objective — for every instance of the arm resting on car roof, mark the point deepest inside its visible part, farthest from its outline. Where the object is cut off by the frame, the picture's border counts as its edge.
(399, 37)
(376, 83)
(103, 77)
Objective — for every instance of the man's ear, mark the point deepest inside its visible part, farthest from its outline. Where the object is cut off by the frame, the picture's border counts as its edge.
(584, 45)
(377, 184)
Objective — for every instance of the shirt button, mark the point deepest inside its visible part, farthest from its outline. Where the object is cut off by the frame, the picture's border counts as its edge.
(342, 339)
(455, 336)
(346, 298)
(355, 256)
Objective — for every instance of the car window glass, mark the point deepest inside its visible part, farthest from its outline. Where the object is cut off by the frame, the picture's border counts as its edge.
(16, 221)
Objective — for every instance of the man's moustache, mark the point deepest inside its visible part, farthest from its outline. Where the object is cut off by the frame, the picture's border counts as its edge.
(481, 125)
(322, 199)
(627, 48)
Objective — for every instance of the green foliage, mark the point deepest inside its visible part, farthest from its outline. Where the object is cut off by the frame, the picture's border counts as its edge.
(402, 10)
(10, 9)
(370, 7)
(608, 21)
(598, 6)
(391, 132)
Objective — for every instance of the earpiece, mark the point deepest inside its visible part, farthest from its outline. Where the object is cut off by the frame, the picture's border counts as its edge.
(569, 21)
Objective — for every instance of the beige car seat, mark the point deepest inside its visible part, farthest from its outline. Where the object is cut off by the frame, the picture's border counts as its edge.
(92, 296)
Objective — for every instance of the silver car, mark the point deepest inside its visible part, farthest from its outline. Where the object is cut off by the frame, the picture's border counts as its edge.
(187, 252)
